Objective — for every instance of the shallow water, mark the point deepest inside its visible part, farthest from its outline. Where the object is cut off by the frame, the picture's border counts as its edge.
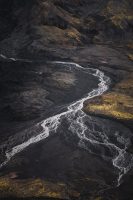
(100, 137)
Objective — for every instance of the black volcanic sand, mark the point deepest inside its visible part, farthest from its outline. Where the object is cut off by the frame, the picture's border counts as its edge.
(31, 92)
(57, 158)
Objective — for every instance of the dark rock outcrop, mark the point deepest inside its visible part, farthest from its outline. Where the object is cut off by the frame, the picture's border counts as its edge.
(29, 25)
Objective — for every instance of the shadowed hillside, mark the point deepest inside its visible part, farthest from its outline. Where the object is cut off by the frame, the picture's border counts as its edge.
(66, 126)
(29, 25)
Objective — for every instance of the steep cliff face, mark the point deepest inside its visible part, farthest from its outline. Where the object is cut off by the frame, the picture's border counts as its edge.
(35, 25)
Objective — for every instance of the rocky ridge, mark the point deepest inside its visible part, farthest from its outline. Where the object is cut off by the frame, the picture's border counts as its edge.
(98, 33)
(28, 26)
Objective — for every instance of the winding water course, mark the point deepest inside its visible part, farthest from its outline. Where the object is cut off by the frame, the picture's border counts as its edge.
(93, 136)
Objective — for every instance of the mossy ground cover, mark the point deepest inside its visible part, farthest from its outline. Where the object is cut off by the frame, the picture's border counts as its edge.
(117, 103)
(34, 188)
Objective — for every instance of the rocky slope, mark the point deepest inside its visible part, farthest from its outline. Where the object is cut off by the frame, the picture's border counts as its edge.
(97, 33)
(29, 25)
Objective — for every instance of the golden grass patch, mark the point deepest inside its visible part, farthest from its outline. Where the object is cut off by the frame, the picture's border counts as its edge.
(117, 103)
(32, 188)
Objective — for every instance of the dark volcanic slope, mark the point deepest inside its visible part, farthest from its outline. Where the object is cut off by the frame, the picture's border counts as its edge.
(29, 25)
(97, 33)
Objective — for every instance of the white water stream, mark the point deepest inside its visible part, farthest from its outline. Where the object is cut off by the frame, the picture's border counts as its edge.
(89, 137)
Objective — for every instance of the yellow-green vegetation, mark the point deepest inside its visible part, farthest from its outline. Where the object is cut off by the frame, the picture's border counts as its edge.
(130, 45)
(114, 8)
(130, 56)
(118, 13)
(62, 37)
(34, 188)
(117, 103)
(125, 86)
(73, 34)
(48, 7)
(60, 28)
(120, 19)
